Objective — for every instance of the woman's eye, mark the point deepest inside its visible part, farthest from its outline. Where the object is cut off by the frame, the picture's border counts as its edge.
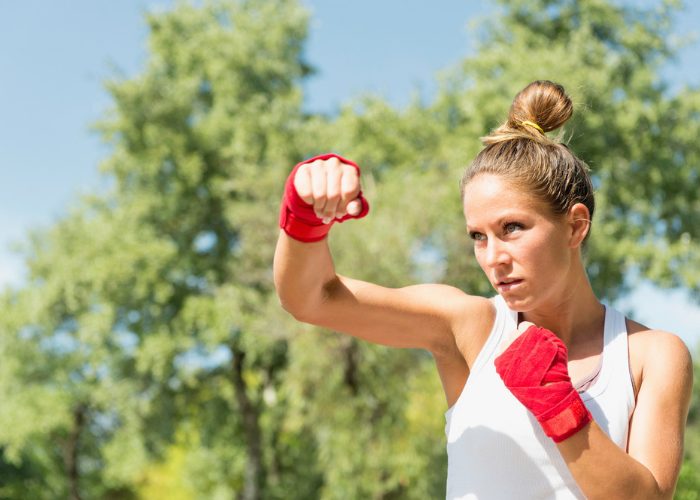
(477, 236)
(512, 226)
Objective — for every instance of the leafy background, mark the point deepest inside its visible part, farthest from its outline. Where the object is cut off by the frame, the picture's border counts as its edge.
(146, 356)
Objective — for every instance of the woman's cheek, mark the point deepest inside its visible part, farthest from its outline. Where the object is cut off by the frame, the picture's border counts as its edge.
(479, 256)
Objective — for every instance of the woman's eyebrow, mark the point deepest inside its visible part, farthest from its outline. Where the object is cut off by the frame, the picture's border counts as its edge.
(503, 218)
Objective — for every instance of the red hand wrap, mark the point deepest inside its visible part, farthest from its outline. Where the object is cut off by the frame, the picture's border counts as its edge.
(298, 219)
(534, 368)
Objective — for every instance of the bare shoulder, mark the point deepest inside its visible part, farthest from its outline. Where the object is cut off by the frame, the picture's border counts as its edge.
(662, 403)
(447, 296)
(471, 319)
(658, 354)
(470, 316)
(454, 302)
(654, 344)
(472, 323)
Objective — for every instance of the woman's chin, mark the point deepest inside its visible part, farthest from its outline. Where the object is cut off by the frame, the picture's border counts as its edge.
(517, 303)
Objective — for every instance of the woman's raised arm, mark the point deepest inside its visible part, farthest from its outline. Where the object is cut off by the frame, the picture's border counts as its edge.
(418, 316)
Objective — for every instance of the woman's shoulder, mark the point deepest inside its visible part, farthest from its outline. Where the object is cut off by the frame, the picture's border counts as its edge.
(460, 305)
(658, 356)
(654, 341)
(471, 317)
(473, 323)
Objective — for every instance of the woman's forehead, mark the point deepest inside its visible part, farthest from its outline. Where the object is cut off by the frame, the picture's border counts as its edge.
(489, 195)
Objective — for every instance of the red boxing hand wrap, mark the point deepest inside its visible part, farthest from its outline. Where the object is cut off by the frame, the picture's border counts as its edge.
(534, 368)
(298, 219)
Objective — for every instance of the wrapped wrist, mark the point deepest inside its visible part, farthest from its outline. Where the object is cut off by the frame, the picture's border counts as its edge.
(534, 368)
(298, 219)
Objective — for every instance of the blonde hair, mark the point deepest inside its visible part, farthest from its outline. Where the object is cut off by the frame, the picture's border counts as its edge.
(520, 151)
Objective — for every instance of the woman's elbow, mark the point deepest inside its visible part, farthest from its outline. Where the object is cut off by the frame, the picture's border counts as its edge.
(299, 310)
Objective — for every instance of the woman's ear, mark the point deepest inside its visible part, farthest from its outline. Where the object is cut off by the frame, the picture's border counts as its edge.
(579, 219)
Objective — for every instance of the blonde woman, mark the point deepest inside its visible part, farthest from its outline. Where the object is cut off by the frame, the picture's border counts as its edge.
(551, 394)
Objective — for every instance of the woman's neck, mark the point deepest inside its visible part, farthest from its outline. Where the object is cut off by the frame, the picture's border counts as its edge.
(576, 316)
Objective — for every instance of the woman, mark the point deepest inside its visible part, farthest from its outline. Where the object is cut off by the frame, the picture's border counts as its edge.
(517, 427)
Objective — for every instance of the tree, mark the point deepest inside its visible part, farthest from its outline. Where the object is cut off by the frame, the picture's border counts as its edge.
(148, 349)
(180, 276)
(637, 134)
(200, 139)
(66, 397)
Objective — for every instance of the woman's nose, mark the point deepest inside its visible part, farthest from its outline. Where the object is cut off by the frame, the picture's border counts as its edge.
(496, 253)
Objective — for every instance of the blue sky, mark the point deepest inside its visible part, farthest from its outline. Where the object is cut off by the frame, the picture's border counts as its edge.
(54, 57)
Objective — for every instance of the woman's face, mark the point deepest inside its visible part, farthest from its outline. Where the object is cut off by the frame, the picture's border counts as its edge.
(521, 246)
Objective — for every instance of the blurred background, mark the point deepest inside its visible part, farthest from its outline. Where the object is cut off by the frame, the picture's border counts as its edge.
(144, 146)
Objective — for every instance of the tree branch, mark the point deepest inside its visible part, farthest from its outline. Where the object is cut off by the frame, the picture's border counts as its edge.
(250, 414)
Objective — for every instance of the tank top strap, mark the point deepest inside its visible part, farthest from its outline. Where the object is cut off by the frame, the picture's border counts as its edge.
(615, 367)
(506, 321)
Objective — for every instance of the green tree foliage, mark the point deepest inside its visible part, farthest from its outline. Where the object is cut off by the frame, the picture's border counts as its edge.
(637, 135)
(147, 354)
(168, 274)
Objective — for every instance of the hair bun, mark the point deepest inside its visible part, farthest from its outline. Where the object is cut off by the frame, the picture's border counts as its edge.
(542, 102)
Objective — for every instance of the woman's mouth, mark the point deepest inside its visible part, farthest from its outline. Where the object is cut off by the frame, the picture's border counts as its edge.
(508, 285)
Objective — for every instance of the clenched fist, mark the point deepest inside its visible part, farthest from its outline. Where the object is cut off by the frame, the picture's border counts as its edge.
(320, 191)
(332, 186)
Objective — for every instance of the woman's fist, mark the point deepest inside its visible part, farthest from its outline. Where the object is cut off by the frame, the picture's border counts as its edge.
(318, 192)
(534, 368)
(331, 186)
(522, 328)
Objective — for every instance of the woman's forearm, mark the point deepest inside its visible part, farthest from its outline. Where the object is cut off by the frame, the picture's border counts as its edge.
(603, 470)
(300, 272)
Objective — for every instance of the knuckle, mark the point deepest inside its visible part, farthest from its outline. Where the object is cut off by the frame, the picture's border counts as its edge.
(351, 182)
(299, 176)
(304, 191)
(350, 170)
(333, 196)
(348, 193)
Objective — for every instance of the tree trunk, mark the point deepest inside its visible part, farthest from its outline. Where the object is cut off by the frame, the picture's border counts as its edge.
(250, 413)
(70, 452)
(350, 377)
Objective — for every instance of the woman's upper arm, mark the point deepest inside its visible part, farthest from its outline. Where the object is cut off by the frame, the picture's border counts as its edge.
(418, 316)
(658, 423)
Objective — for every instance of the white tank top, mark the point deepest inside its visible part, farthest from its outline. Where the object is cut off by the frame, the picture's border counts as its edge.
(495, 447)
